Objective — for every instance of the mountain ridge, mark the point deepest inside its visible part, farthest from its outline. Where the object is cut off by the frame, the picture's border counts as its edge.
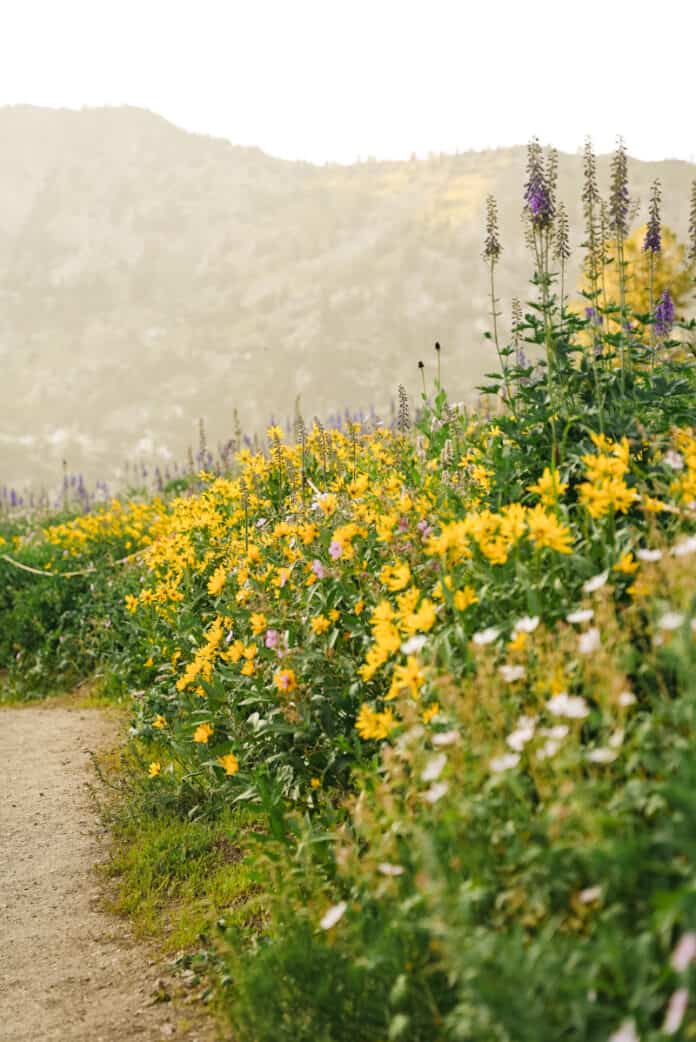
(150, 276)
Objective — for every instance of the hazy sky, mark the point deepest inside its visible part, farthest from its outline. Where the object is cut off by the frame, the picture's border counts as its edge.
(338, 79)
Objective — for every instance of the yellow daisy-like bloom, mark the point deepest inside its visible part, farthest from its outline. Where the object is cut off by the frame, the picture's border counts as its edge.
(430, 713)
(463, 599)
(229, 762)
(546, 531)
(518, 642)
(131, 603)
(258, 622)
(371, 724)
(407, 678)
(202, 733)
(285, 680)
(159, 722)
(626, 564)
(548, 487)
(217, 580)
(154, 769)
(395, 576)
(315, 783)
(320, 624)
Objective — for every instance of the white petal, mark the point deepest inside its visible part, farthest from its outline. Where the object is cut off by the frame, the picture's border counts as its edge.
(433, 768)
(596, 582)
(390, 870)
(331, 917)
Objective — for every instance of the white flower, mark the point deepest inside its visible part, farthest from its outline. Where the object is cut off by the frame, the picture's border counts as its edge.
(676, 1008)
(548, 749)
(616, 739)
(445, 738)
(436, 792)
(434, 767)
(685, 952)
(675, 460)
(519, 738)
(649, 555)
(504, 762)
(414, 644)
(390, 870)
(511, 673)
(590, 894)
(671, 620)
(596, 582)
(589, 642)
(627, 698)
(527, 624)
(687, 546)
(601, 755)
(486, 636)
(558, 732)
(581, 615)
(574, 707)
(331, 917)
(625, 1033)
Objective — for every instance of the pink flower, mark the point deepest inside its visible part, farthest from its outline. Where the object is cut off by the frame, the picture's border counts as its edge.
(685, 952)
(271, 638)
(318, 569)
(335, 550)
(676, 1009)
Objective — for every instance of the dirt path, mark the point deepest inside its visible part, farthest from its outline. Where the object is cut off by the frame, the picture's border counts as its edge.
(69, 972)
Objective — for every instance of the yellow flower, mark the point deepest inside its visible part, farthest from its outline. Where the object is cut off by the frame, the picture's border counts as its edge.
(463, 599)
(159, 722)
(518, 641)
(430, 713)
(258, 622)
(320, 624)
(154, 769)
(370, 724)
(217, 581)
(421, 620)
(395, 577)
(247, 669)
(202, 733)
(407, 678)
(653, 506)
(149, 661)
(359, 607)
(548, 487)
(626, 564)
(315, 783)
(285, 680)
(546, 531)
(131, 603)
(229, 762)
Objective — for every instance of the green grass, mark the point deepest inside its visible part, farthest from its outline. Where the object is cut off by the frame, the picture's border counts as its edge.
(175, 878)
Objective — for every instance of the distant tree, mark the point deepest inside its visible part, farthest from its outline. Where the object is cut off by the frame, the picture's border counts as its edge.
(672, 271)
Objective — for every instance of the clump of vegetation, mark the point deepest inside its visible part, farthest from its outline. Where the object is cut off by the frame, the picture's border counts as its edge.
(450, 665)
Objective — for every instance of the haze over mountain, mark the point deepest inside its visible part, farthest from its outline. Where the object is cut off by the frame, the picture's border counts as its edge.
(150, 276)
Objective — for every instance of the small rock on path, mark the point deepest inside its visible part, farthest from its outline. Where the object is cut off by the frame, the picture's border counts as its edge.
(69, 972)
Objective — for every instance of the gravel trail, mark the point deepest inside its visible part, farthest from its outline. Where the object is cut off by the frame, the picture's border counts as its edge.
(69, 971)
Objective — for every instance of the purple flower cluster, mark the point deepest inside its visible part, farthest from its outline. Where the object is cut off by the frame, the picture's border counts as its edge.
(664, 315)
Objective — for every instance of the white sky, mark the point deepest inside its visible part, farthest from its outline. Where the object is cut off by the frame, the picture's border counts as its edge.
(337, 79)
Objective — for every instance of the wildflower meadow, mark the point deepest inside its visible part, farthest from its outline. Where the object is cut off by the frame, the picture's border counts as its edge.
(440, 670)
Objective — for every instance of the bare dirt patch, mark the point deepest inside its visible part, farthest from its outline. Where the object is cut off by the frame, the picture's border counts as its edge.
(69, 972)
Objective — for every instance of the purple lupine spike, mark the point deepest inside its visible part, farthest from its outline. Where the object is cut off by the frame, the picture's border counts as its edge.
(593, 316)
(652, 243)
(664, 315)
(537, 195)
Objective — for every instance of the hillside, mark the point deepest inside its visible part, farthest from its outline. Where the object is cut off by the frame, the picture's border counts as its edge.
(149, 276)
